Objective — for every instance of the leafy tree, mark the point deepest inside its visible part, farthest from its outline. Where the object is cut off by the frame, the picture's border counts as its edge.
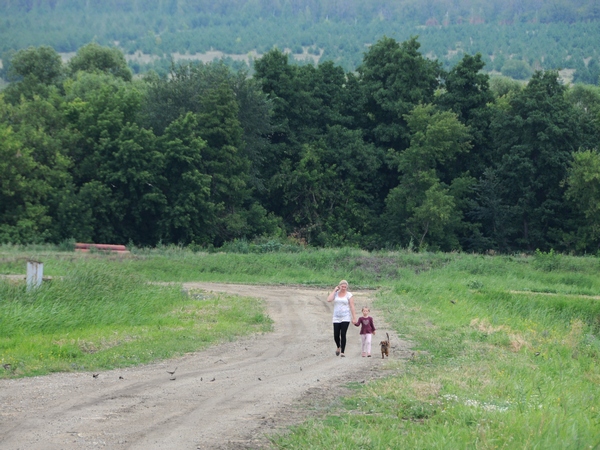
(490, 212)
(95, 58)
(75, 211)
(24, 187)
(33, 71)
(421, 208)
(467, 93)
(586, 99)
(97, 108)
(583, 190)
(355, 200)
(21, 216)
(169, 98)
(223, 160)
(328, 197)
(502, 86)
(536, 137)
(395, 77)
(296, 105)
(114, 155)
(189, 215)
(254, 115)
(466, 88)
(131, 166)
(296, 121)
(40, 126)
(432, 216)
(41, 130)
(436, 138)
(43, 63)
(305, 191)
(329, 176)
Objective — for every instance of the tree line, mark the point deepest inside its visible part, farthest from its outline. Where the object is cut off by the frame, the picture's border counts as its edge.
(406, 10)
(399, 153)
(514, 38)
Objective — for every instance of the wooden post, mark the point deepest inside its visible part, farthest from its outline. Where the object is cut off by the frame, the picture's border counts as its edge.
(35, 273)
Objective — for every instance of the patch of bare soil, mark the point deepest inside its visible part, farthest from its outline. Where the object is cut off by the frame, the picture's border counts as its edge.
(230, 396)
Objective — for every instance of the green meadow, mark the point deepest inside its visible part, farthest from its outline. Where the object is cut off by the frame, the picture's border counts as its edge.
(505, 348)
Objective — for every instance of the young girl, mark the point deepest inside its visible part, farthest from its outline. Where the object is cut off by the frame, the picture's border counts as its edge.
(366, 331)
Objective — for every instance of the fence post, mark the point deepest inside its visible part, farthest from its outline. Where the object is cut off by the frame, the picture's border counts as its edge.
(35, 274)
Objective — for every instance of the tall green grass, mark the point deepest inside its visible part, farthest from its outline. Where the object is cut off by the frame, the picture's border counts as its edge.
(100, 316)
(309, 266)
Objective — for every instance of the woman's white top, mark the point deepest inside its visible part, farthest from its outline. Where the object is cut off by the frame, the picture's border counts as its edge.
(341, 308)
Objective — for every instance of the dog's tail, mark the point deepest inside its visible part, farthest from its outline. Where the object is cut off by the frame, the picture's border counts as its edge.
(388, 336)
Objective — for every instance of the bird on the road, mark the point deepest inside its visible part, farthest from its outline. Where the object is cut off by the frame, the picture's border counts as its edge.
(259, 379)
(172, 372)
(121, 378)
(95, 375)
(213, 379)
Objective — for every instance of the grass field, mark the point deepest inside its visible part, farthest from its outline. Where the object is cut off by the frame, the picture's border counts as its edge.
(493, 368)
(506, 348)
(99, 314)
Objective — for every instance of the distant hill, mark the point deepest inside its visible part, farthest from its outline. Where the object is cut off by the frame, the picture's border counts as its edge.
(514, 37)
(199, 13)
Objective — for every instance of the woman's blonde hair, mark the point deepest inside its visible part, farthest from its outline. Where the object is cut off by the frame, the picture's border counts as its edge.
(343, 282)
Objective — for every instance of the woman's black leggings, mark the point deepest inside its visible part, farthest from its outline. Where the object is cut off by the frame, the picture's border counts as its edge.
(339, 334)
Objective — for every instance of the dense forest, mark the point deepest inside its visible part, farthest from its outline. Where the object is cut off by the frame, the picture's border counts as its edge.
(398, 153)
(514, 37)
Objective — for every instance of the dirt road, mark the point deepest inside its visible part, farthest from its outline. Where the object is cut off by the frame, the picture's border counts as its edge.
(227, 397)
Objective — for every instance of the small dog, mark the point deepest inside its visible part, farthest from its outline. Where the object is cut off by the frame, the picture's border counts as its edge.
(385, 347)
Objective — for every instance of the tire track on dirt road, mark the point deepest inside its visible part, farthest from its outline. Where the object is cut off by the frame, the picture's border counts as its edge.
(257, 383)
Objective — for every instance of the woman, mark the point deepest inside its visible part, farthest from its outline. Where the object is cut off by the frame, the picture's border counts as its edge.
(343, 313)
